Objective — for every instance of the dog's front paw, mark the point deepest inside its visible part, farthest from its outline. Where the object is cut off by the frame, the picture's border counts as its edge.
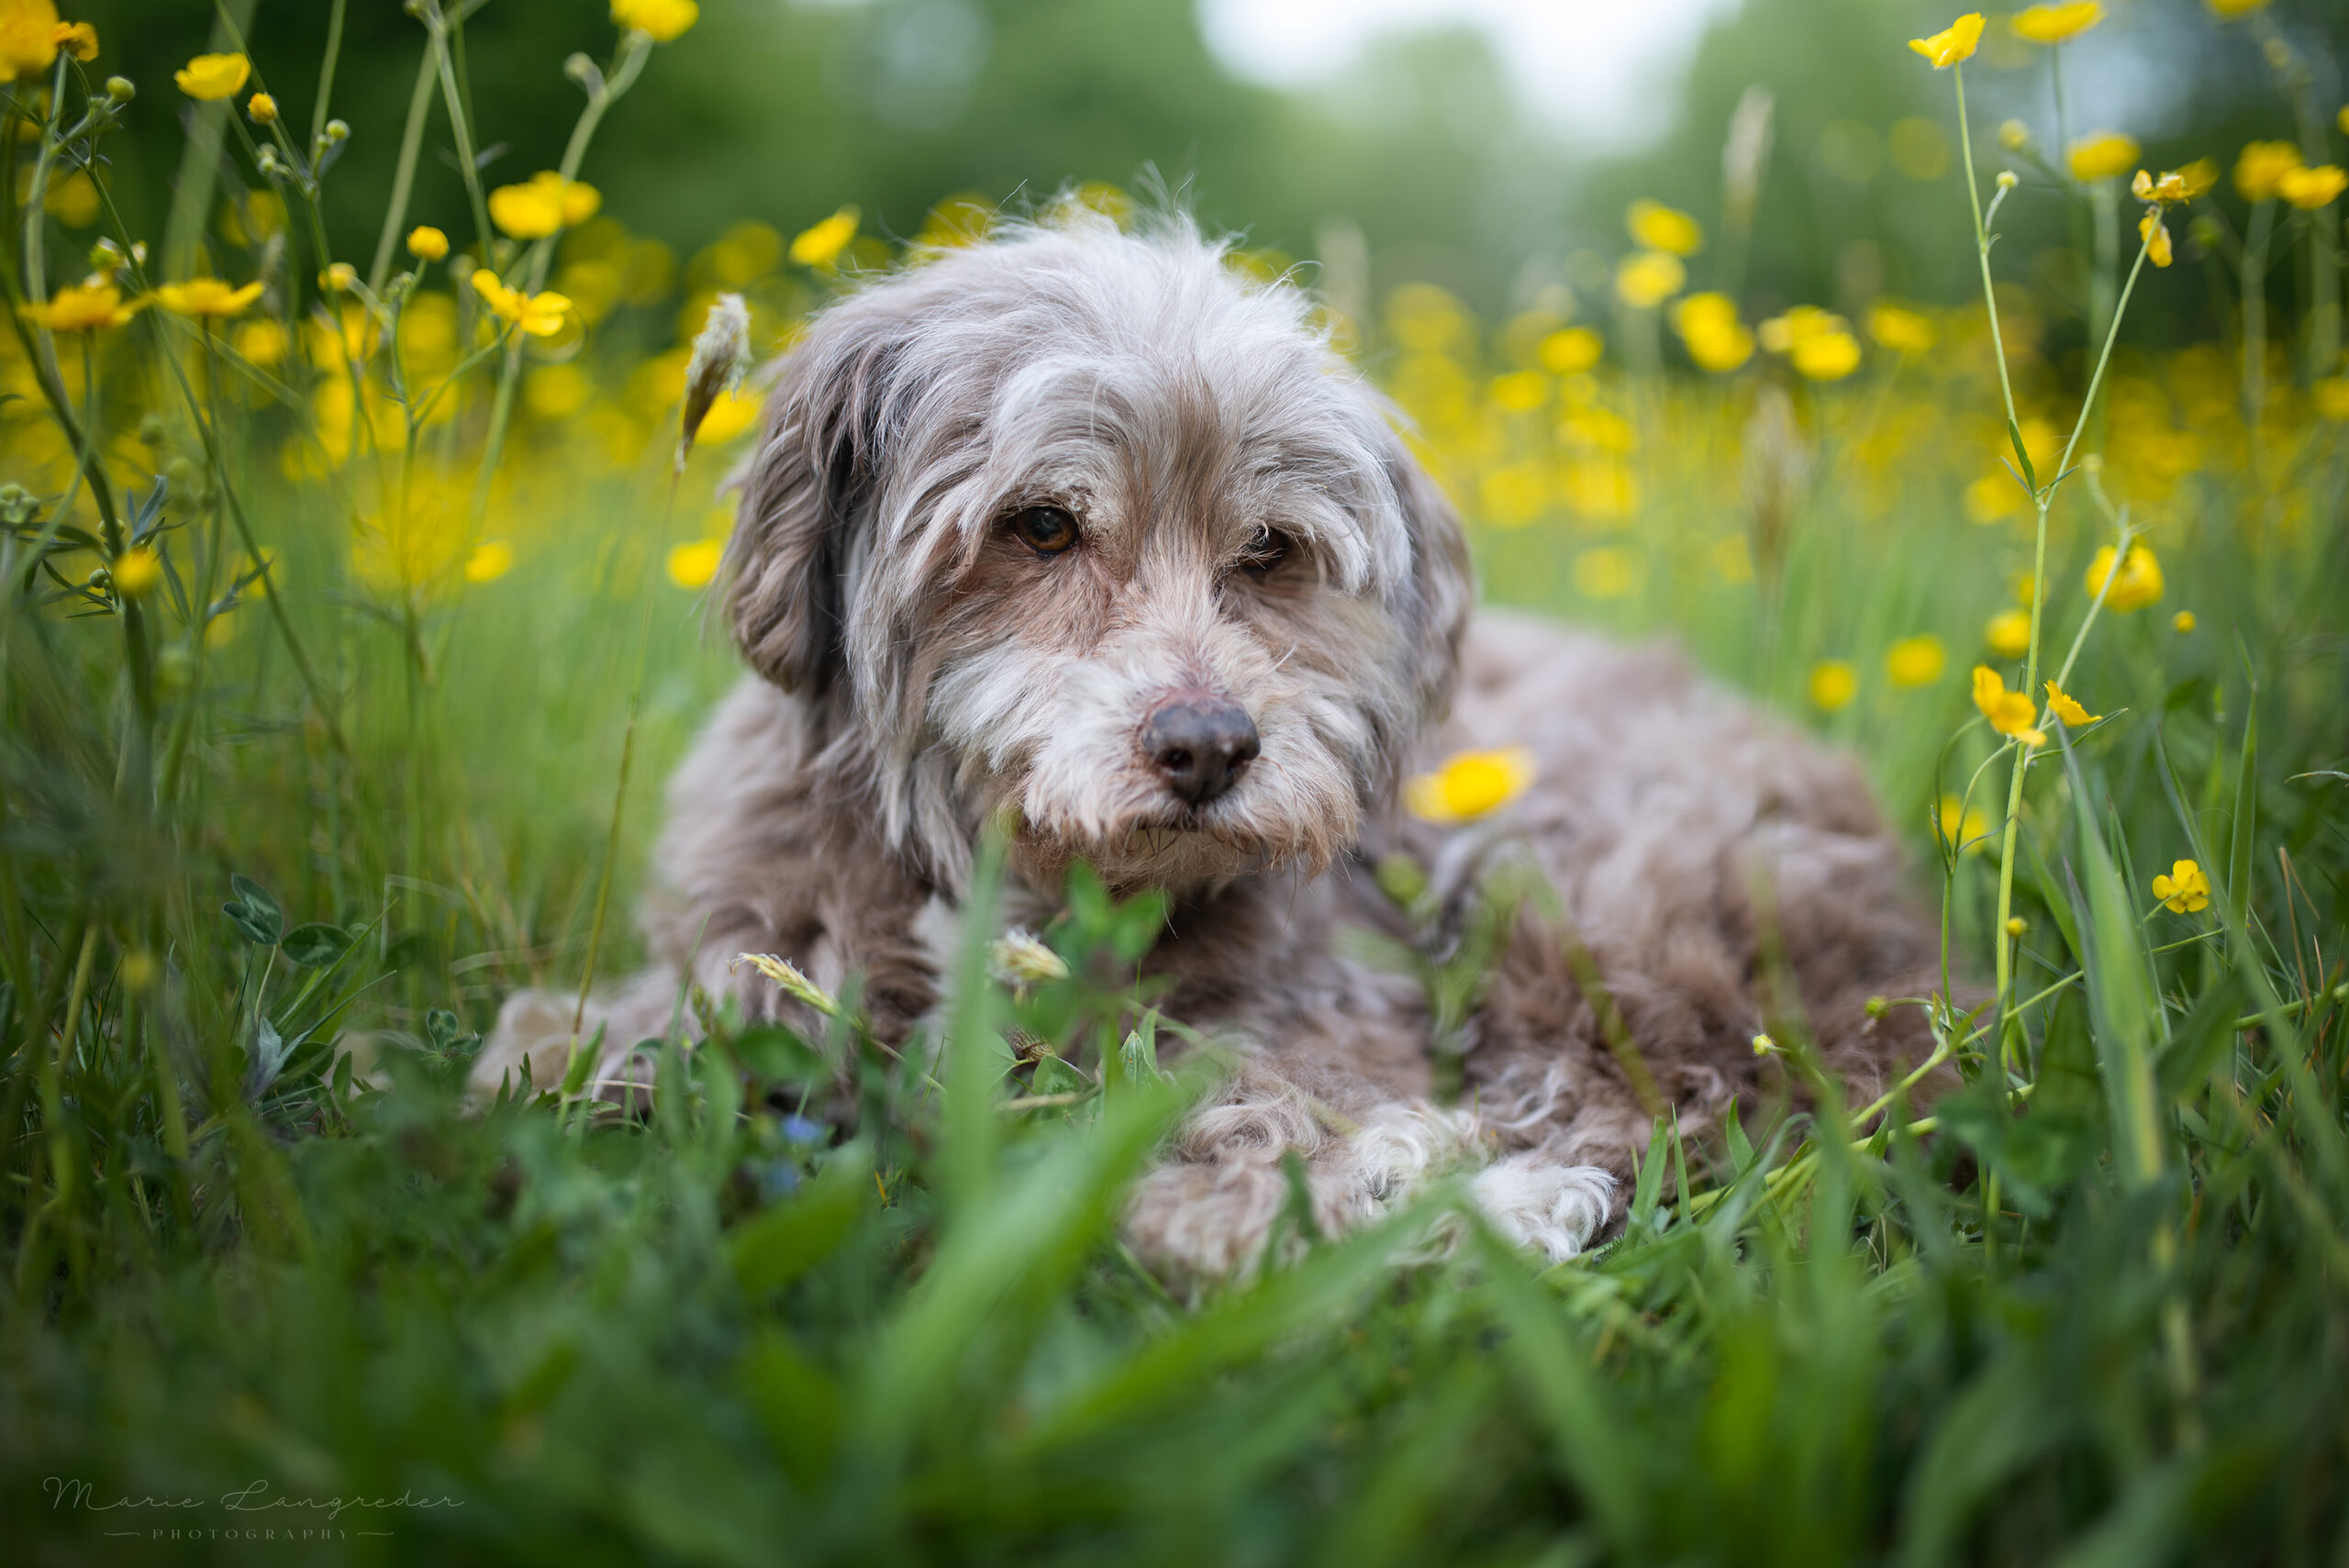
(1536, 1201)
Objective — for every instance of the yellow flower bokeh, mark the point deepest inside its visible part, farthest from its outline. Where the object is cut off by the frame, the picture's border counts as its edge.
(1470, 785)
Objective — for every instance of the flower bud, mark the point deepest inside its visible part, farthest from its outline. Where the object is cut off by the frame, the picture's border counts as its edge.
(120, 89)
(1764, 1045)
(1878, 1006)
(2014, 136)
(340, 278)
(2016, 926)
(426, 244)
(262, 108)
(583, 70)
(2009, 179)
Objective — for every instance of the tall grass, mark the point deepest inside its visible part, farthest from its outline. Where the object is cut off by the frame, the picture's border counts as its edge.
(318, 686)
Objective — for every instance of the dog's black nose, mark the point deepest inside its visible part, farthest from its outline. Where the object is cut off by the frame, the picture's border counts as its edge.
(1198, 743)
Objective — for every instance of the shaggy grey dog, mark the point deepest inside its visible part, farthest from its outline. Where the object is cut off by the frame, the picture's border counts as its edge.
(1088, 528)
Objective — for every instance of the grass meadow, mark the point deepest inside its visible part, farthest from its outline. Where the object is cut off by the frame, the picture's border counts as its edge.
(349, 622)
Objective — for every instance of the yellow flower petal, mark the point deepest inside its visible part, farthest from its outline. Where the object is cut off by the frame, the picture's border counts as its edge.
(1916, 662)
(1833, 684)
(663, 20)
(2008, 633)
(2009, 713)
(1952, 45)
(1470, 784)
(2067, 708)
(211, 77)
(489, 561)
(820, 246)
(207, 297)
(2136, 585)
(1660, 228)
(693, 565)
(2102, 155)
(2055, 24)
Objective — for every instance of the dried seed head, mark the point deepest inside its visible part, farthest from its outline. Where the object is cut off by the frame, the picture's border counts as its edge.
(721, 355)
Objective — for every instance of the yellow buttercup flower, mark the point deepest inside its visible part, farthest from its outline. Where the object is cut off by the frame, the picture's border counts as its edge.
(136, 570)
(1707, 323)
(2260, 166)
(261, 109)
(1952, 45)
(2309, 189)
(489, 561)
(28, 40)
(693, 565)
(1571, 351)
(664, 20)
(426, 244)
(2186, 890)
(339, 278)
(86, 307)
(79, 40)
(1471, 784)
(2009, 713)
(1647, 278)
(2068, 709)
(2155, 234)
(1833, 684)
(2137, 584)
(1916, 660)
(820, 245)
(539, 314)
(1901, 331)
(543, 204)
(2056, 24)
(1827, 356)
(2229, 9)
(1963, 828)
(211, 77)
(2008, 633)
(1660, 228)
(2102, 155)
(207, 297)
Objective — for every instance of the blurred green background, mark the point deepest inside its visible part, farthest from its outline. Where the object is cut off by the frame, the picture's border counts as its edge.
(782, 110)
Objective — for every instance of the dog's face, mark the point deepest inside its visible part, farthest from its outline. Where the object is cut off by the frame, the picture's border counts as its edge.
(1081, 525)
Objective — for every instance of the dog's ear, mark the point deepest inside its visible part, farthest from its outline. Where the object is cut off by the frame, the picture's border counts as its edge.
(804, 494)
(1444, 586)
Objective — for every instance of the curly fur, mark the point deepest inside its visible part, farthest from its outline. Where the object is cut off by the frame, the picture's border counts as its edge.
(915, 669)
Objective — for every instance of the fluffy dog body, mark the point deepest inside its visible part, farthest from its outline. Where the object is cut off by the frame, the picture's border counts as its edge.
(1081, 527)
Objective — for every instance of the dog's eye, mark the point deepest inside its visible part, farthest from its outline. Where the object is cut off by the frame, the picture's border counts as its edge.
(1047, 530)
(1265, 552)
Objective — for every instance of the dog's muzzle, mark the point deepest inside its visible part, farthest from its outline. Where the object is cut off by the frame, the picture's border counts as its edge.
(1199, 744)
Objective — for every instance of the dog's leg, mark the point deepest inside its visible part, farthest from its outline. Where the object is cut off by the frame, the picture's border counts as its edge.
(1212, 1209)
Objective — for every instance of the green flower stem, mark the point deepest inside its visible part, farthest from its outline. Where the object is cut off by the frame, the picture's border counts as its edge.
(2044, 500)
(602, 94)
(419, 111)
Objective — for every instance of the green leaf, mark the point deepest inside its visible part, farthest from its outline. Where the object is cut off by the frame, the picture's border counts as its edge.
(2030, 474)
(2239, 848)
(1741, 1149)
(1651, 1182)
(316, 945)
(797, 1403)
(263, 910)
(785, 1241)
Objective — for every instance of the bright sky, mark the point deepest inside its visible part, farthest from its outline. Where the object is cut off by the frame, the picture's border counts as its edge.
(1591, 68)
